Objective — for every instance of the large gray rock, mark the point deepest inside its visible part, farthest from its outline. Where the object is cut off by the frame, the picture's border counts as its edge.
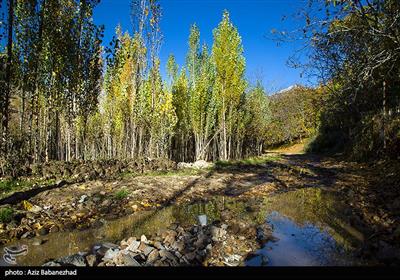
(201, 164)
(110, 254)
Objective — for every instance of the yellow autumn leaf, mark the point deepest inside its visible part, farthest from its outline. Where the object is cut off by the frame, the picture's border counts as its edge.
(145, 204)
(27, 205)
(37, 226)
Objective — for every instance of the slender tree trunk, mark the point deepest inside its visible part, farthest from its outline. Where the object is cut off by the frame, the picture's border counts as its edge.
(6, 110)
(35, 91)
(384, 109)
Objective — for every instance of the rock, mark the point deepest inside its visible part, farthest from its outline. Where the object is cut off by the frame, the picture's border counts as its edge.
(133, 246)
(143, 238)
(103, 248)
(232, 260)
(201, 164)
(129, 260)
(110, 254)
(91, 260)
(263, 233)
(159, 263)
(76, 260)
(26, 235)
(134, 207)
(124, 243)
(183, 165)
(130, 240)
(35, 209)
(209, 247)
(167, 254)
(201, 241)
(190, 256)
(170, 237)
(148, 250)
(82, 198)
(142, 246)
(51, 263)
(106, 202)
(158, 245)
(178, 245)
(152, 257)
(217, 234)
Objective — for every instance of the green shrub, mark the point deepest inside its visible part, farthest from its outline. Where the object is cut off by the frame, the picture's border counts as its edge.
(6, 214)
(121, 194)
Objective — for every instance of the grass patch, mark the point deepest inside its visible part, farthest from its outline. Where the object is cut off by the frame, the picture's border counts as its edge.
(9, 186)
(121, 194)
(251, 161)
(6, 214)
(178, 172)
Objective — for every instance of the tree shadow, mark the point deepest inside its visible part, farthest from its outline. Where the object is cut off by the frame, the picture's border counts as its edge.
(25, 195)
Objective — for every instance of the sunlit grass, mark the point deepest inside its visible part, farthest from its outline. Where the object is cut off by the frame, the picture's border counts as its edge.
(177, 172)
(8, 186)
(121, 194)
(252, 161)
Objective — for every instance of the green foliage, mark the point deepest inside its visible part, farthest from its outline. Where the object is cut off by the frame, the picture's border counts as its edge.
(359, 59)
(121, 194)
(251, 161)
(6, 214)
(295, 115)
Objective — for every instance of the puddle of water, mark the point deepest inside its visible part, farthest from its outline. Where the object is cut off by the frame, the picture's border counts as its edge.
(305, 245)
(309, 224)
(313, 228)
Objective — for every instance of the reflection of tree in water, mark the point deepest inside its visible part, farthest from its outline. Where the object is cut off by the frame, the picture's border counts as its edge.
(320, 208)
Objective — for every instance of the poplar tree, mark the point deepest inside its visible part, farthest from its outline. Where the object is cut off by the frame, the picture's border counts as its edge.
(227, 53)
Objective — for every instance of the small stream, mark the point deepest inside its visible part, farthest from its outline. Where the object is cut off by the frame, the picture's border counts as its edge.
(311, 227)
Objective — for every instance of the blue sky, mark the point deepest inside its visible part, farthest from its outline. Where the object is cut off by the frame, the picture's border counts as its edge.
(254, 19)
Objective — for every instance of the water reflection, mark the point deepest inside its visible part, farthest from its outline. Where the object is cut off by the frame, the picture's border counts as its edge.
(313, 227)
